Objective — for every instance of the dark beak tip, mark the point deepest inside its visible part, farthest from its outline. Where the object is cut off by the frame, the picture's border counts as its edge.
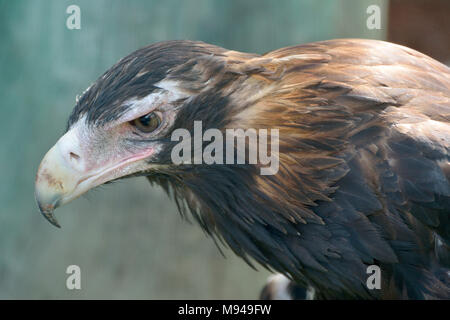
(49, 216)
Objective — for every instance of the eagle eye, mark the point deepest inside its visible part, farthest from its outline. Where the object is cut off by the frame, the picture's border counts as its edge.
(148, 123)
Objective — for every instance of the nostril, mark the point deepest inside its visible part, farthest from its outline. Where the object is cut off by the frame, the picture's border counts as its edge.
(74, 156)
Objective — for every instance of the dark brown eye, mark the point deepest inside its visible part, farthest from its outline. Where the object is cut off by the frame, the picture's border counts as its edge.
(148, 123)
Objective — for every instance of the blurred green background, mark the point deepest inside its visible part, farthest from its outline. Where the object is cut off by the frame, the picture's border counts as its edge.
(127, 238)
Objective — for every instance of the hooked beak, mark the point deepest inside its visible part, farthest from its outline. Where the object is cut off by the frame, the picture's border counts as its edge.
(56, 182)
(66, 173)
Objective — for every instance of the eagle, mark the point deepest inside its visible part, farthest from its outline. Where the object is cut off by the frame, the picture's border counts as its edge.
(363, 175)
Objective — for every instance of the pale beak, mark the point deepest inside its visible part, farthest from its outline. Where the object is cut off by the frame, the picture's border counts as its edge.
(66, 172)
(59, 177)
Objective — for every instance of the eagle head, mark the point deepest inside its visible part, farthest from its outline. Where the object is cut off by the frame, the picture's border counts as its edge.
(122, 124)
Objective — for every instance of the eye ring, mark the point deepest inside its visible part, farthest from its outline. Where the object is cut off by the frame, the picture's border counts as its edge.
(148, 123)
